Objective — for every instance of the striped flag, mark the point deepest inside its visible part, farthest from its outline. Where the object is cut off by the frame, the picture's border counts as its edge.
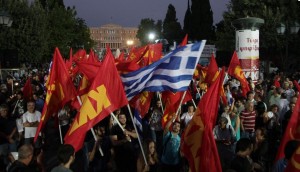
(173, 72)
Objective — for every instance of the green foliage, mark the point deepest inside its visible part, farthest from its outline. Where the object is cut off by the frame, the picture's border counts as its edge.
(272, 45)
(171, 27)
(37, 29)
(202, 21)
(147, 26)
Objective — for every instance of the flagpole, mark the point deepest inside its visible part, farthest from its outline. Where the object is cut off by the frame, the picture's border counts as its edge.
(92, 130)
(179, 107)
(117, 121)
(162, 108)
(140, 143)
(60, 134)
(15, 107)
(194, 103)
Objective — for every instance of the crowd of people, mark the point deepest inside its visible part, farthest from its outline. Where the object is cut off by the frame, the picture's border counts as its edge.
(248, 131)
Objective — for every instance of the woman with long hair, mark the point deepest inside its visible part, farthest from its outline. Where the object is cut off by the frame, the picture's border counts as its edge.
(151, 157)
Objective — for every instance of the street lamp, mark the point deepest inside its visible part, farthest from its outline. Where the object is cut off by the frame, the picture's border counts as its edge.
(129, 44)
(294, 29)
(284, 29)
(151, 37)
(5, 18)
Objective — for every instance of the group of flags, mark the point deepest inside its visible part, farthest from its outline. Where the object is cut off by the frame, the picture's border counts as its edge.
(110, 84)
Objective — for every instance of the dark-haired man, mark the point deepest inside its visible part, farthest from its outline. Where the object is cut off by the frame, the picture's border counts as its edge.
(66, 156)
(171, 143)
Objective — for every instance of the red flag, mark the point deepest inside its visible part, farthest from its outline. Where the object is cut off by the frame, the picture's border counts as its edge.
(292, 130)
(88, 69)
(60, 89)
(92, 57)
(212, 70)
(106, 95)
(79, 55)
(294, 163)
(121, 57)
(236, 71)
(141, 57)
(172, 102)
(200, 73)
(153, 54)
(184, 41)
(27, 90)
(198, 144)
(141, 102)
(296, 85)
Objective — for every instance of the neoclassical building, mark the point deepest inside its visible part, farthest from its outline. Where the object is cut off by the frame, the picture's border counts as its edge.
(116, 36)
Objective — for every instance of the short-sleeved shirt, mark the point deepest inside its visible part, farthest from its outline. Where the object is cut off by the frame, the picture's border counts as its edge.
(248, 120)
(31, 117)
(171, 150)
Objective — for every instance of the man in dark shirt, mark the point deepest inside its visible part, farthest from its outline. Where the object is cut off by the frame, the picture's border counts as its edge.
(25, 156)
(241, 162)
(122, 142)
(7, 133)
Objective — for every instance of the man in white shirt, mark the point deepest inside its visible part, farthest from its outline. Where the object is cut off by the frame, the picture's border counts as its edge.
(31, 120)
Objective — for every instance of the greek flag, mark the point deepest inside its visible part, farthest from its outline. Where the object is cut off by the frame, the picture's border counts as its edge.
(172, 72)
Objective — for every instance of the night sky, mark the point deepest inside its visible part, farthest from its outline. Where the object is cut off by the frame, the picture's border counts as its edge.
(130, 12)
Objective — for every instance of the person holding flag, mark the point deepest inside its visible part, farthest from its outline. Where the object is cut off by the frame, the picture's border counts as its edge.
(171, 143)
(121, 139)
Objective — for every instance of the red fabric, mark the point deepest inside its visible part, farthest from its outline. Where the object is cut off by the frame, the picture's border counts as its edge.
(141, 102)
(296, 85)
(291, 130)
(88, 69)
(79, 55)
(121, 57)
(141, 57)
(27, 90)
(60, 89)
(200, 73)
(277, 84)
(92, 57)
(105, 96)
(212, 71)
(184, 41)
(172, 102)
(198, 144)
(294, 163)
(236, 71)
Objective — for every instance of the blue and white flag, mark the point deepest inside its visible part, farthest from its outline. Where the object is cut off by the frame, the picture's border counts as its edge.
(138, 121)
(173, 72)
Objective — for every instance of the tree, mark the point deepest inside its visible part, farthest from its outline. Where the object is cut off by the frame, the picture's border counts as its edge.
(187, 28)
(38, 28)
(171, 27)
(202, 20)
(28, 35)
(272, 45)
(146, 27)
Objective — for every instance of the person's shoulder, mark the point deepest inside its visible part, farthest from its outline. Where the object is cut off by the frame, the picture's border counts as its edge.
(37, 113)
(60, 169)
(17, 166)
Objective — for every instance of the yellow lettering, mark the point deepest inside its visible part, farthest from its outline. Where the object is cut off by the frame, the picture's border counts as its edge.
(294, 162)
(143, 97)
(88, 111)
(52, 89)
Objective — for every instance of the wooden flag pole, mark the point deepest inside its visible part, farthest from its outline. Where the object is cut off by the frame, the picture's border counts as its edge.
(179, 107)
(162, 107)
